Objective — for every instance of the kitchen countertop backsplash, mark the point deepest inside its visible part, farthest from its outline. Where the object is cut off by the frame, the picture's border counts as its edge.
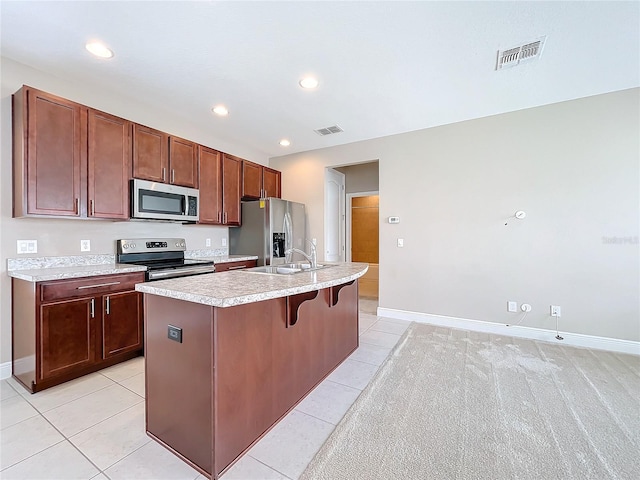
(32, 263)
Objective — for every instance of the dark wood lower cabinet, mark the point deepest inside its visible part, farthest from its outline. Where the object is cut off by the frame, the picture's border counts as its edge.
(64, 329)
(238, 370)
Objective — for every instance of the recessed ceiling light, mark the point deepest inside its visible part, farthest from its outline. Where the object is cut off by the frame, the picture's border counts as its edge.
(308, 82)
(220, 110)
(284, 142)
(99, 49)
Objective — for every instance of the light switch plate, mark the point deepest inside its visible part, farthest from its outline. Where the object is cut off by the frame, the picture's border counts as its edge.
(401, 242)
(207, 242)
(224, 242)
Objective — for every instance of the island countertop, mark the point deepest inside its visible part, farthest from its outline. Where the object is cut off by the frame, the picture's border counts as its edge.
(227, 289)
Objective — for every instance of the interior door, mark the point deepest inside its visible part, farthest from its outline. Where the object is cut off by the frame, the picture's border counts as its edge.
(334, 216)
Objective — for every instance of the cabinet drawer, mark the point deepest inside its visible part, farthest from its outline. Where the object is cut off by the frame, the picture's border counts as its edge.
(226, 266)
(88, 286)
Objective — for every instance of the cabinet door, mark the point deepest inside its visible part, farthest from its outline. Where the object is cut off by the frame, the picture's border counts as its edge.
(121, 323)
(53, 162)
(226, 266)
(150, 156)
(108, 166)
(231, 174)
(271, 181)
(210, 186)
(251, 180)
(183, 162)
(67, 336)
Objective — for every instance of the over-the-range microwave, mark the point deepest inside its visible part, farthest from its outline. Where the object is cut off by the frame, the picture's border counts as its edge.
(160, 201)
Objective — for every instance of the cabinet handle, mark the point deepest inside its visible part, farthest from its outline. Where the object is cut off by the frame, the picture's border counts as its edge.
(97, 285)
(76, 207)
(164, 174)
(237, 267)
(173, 175)
(92, 210)
(92, 308)
(218, 218)
(224, 218)
(108, 305)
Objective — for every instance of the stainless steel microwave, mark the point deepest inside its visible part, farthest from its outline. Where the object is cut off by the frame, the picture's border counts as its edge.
(160, 201)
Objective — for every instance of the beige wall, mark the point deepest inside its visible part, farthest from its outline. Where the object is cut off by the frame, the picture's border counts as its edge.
(62, 237)
(572, 166)
(363, 177)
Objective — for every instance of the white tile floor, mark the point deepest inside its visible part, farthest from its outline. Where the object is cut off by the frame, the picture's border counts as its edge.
(93, 427)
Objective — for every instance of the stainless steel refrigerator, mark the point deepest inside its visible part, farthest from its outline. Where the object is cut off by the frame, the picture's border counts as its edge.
(269, 228)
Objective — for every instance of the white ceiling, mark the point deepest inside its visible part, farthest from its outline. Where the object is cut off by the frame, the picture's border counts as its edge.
(384, 67)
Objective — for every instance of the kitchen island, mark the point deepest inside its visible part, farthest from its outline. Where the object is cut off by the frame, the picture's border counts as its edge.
(230, 354)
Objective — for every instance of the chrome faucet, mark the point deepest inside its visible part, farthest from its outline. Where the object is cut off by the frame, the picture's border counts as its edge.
(312, 258)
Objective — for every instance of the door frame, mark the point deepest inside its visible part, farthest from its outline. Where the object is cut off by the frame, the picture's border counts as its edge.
(349, 199)
(341, 221)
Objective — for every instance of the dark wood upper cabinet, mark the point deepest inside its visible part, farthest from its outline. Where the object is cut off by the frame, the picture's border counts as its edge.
(231, 179)
(210, 186)
(271, 182)
(251, 180)
(259, 181)
(69, 160)
(108, 165)
(158, 157)
(150, 154)
(183, 162)
(48, 134)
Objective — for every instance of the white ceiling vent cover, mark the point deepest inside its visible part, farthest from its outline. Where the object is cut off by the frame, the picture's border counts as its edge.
(520, 54)
(329, 130)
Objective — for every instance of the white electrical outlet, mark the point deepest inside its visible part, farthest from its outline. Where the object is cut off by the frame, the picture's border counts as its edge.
(224, 242)
(556, 311)
(27, 246)
(207, 242)
(512, 306)
(401, 242)
(85, 245)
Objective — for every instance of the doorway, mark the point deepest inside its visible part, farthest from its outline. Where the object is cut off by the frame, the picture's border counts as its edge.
(363, 238)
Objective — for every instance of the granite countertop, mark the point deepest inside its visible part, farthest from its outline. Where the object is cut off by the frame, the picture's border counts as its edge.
(238, 287)
(229, 258)
(74, 271)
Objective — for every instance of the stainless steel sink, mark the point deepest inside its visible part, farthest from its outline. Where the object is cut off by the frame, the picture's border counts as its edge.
(285, 268)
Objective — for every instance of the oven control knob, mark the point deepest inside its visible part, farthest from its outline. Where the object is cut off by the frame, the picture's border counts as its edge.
(177, 244)
(133, 245)
(182, 244)
(125, 246)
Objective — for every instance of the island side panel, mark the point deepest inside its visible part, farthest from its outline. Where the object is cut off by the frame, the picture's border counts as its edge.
(341, 323)
(244, 375)
(179, 378)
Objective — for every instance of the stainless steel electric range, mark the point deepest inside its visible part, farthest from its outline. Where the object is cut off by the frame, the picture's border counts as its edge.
(163, 257)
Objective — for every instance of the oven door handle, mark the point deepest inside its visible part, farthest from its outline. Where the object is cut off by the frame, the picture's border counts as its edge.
(184, 204)
(181, 272)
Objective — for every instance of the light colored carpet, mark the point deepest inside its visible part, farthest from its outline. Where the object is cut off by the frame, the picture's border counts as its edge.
(452, 404)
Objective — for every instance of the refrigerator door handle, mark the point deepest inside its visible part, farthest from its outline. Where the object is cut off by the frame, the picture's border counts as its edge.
(288, 236)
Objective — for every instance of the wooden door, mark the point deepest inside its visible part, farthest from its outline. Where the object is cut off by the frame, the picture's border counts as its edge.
(150, 154)
(54, 131)
(121, 323)
(231, 177)
(67, 336)
(108, 165)
(210, 186)
(251, 180)
(271, 181)
(183, 162)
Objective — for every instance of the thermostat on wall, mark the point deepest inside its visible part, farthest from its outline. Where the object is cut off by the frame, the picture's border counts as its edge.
(394, 219)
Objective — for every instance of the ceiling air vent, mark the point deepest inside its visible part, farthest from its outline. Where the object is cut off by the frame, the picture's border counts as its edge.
(329, 130)
(522, 53)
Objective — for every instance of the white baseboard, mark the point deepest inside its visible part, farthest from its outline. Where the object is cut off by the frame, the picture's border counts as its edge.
(5, 370)
(573, 339)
